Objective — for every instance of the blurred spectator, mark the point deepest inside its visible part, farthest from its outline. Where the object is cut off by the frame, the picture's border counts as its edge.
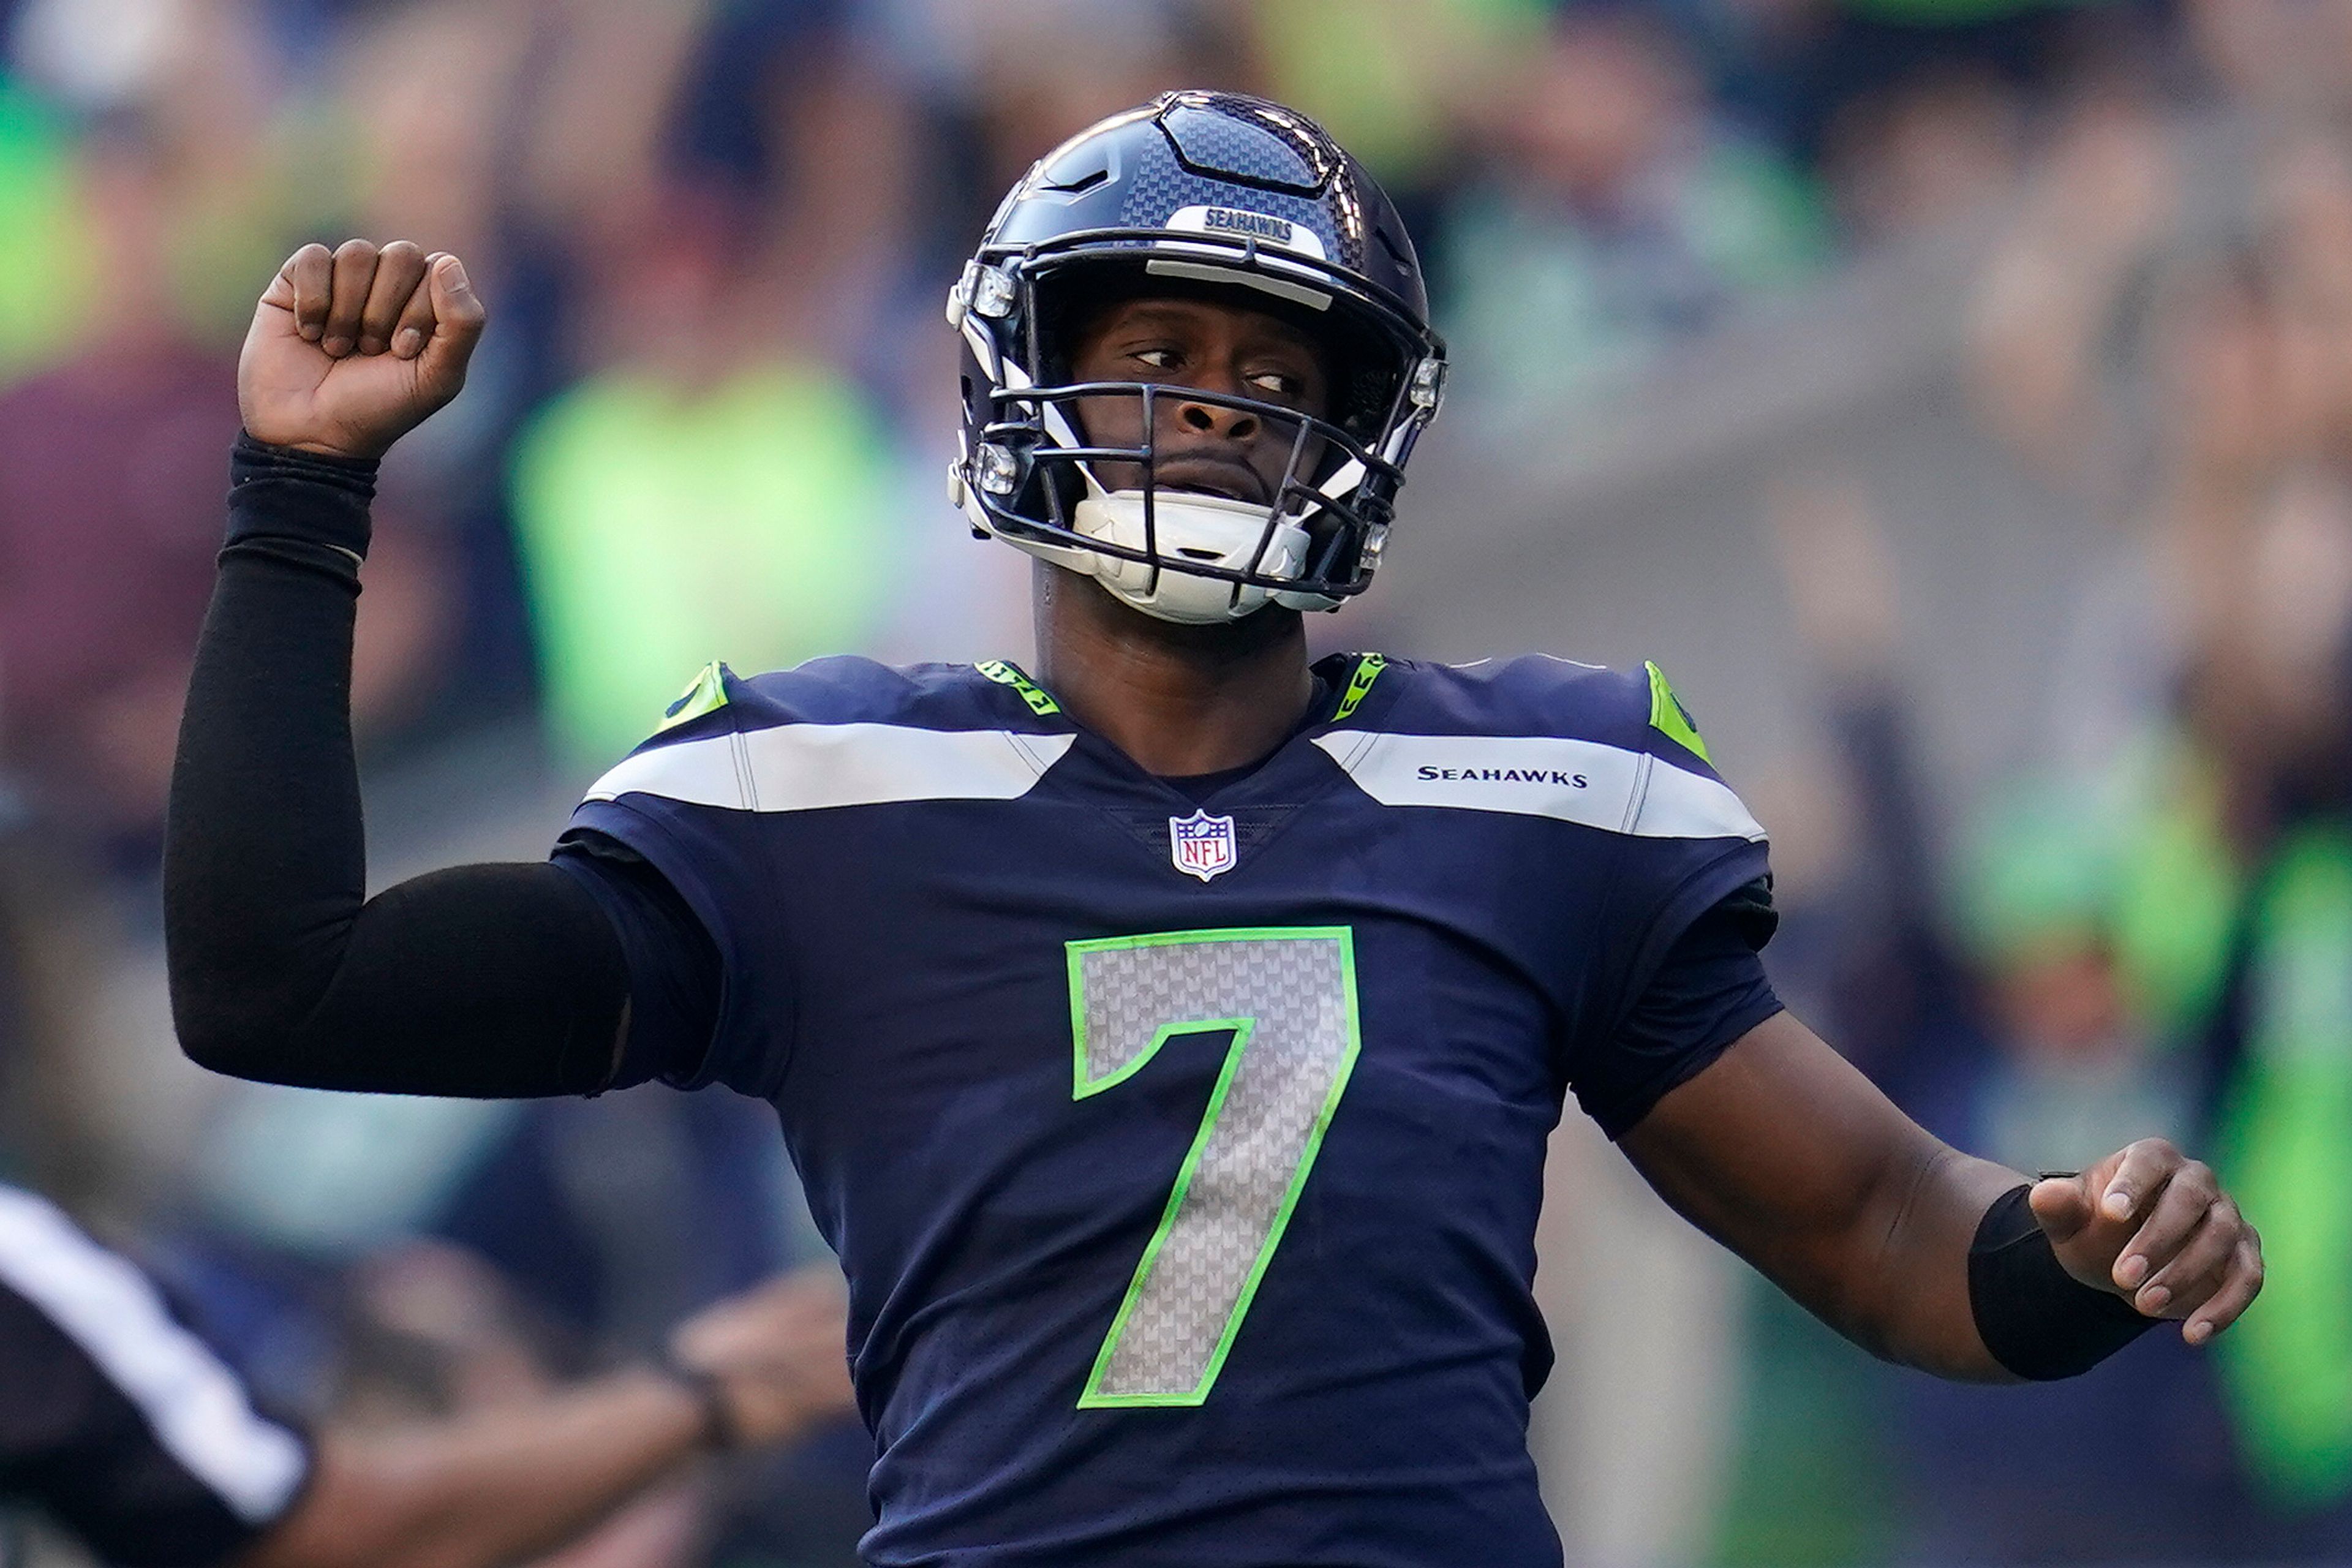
(201, 77)
(2003, 1016)
(1918, 109)
(807, 122)
(700, 496)
(1401, 83)
(110, 478)
(1030, 73)
(1616, 216)
(2280, 57)
(111, 475)
(44, 251)
(1940, 147)
(2081, 1064)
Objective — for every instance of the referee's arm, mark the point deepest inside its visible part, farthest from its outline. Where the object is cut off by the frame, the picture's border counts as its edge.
(124, 1425)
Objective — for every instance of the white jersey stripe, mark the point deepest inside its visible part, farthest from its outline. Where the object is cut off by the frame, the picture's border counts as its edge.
(1539, 775)
(195, 1406)
(808, 767)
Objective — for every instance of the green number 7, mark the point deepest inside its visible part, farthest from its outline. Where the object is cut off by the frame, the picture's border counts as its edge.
(1287, 993)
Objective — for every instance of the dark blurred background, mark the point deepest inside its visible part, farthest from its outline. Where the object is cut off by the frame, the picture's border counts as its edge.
(1954, 396)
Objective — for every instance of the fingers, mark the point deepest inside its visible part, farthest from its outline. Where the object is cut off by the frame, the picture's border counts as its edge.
(357, 299)
(2191, 1255)
(354, 274)
(415, 327)
(2193, 1269)
(2187, 1198)
(2146, 1166)
(399, 268)
(458, 317)
(2240, 1285)
(302, 286)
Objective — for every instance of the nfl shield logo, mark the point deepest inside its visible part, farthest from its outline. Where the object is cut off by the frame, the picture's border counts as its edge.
(1201, 846)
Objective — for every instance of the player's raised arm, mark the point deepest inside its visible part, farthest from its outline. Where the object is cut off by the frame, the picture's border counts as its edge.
(485, 980)
(1927, 1255)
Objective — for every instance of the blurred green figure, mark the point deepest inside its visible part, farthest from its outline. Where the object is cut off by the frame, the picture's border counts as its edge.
(662, 528)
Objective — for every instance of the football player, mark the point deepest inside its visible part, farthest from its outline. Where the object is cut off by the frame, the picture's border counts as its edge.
(1168, 1033)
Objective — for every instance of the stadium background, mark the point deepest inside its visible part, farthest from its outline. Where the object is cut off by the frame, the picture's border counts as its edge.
(1954, 396)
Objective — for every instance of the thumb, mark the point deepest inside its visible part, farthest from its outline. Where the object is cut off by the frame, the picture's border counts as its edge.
(2062, 1206)
(458, 317)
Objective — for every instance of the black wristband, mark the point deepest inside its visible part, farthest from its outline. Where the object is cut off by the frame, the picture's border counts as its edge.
(2037, 1319)
(719, 1431)
(307, 498)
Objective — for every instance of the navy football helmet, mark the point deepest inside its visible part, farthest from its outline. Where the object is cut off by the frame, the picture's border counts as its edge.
(1198, 189)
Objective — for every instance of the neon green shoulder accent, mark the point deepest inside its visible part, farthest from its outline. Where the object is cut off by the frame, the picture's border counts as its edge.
(1004, 674)
(1359, 685)
(706, 693)
(1668, 717)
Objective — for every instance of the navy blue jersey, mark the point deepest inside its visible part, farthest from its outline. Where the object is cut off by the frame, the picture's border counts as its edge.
(1184, 1155)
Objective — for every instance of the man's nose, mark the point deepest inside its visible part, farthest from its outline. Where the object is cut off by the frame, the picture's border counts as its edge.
(1216, 421)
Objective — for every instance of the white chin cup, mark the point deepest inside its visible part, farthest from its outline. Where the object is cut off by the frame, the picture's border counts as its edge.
(1208, 529)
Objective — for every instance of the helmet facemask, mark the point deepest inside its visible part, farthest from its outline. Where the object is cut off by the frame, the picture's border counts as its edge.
(1031, 476)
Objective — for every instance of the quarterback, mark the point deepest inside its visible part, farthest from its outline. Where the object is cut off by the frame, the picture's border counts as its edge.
(1167, 1032)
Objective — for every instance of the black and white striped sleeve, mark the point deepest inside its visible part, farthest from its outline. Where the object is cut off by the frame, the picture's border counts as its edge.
(115, 1419)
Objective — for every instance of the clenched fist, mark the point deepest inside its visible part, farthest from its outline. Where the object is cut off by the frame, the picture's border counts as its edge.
(352, 349)
(2153, 1225)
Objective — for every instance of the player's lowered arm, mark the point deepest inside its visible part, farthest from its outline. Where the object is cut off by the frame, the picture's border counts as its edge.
(1788, 1155)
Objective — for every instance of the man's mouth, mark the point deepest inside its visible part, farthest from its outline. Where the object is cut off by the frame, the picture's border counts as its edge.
(1214, 477)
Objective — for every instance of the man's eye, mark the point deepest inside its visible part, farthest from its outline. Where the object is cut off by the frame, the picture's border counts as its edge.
(1158, 359)
(1277, 383)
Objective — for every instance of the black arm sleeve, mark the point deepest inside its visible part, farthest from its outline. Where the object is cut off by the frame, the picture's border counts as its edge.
(492, 980)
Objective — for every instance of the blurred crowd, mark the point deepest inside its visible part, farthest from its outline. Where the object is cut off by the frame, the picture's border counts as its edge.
(710, 419)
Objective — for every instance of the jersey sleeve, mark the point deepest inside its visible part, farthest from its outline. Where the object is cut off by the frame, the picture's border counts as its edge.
(659, 842)
(1708, 991)
(116, 1419)
(674, 972)
(1688, 846)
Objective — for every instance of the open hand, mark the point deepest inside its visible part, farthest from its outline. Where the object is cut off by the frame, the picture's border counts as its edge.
(2151, 1225)
(350, 350)
(777, 1352)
